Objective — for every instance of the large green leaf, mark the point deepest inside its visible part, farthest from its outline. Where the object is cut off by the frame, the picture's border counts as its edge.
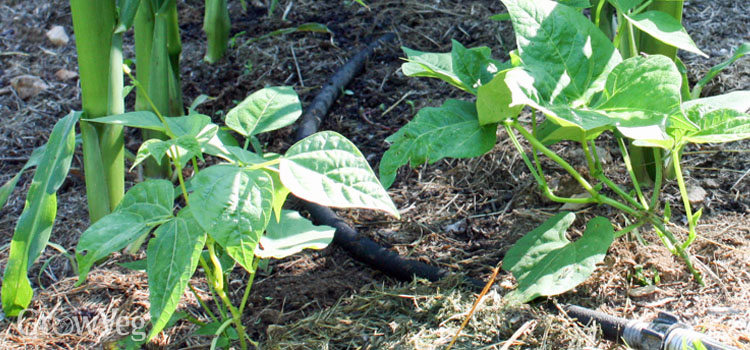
(545, 262)
(493, 101)
(9, 186)
(292, 234)
(265, 110)
(233, 205)
(328, 169)
(567, 56)
(639, 95)
(35, 223)
(736, 100)
(173, 256)
(144, 206)
(717, 126)
(451, 130)
(666, 29)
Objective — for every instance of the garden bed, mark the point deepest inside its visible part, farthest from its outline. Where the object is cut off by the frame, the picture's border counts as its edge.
(461, 215)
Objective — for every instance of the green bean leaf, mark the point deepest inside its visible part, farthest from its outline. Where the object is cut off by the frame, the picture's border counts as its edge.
(292, 234)
(265, 110)
(233, 205)
(566, 56)
(449, 131)
(144, 206)
(328, 169)
(173, 256)
(545, 262)
(666, 29)
(493, 101)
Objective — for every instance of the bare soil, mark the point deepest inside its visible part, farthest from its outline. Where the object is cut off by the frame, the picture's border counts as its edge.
(458, 214)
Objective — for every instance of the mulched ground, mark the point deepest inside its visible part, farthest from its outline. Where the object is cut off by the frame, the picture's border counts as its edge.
(458, 214)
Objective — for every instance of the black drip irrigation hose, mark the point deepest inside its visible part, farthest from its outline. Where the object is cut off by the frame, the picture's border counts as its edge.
(361, 248)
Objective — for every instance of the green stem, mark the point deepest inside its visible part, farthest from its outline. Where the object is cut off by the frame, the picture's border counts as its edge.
(535, 143)
(685, 201)
(249, 284)
(642, 7)
(202, 303)
(589, 160)
(265, 164)
(677, 248)
(658, 179)
(620, 192)
(629, 166)
(210, 277)
(630, 228)
(596, 197)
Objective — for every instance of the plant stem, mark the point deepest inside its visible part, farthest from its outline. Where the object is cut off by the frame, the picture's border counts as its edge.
(596, 197)
(677, 248)
(210, 277)
(630, 228)
(629, 166)
(202, 303)
(219, 287)
(685, 201)
(620, 192)
(657, 181)
(249, 284)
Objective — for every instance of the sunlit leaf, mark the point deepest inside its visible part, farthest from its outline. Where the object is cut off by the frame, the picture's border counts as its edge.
(328, 169)
(234, 206)
(265, 110)
(666, 29)
(291, 235)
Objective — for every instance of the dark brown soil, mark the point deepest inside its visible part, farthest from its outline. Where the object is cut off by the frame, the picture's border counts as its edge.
(491, 200)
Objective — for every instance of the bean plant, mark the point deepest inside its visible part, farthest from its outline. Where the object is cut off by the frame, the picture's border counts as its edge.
(566, 69)
(231, 212)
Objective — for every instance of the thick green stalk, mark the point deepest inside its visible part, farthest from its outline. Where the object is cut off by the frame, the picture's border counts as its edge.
(100, 67)
(160, 79)
(144, 38)
(652, 46)
(216, 24)
(174, 50)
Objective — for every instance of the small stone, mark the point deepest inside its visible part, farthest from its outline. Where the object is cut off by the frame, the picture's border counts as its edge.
(696, 194)
(28, 85)
(57, 36)
(64, 74)
(710, 183)
(456, 227)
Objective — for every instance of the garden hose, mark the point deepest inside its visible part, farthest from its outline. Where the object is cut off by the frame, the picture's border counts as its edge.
(666, 332)
(359, 247)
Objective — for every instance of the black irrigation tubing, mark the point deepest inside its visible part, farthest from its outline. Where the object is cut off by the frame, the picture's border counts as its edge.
(361, 248)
